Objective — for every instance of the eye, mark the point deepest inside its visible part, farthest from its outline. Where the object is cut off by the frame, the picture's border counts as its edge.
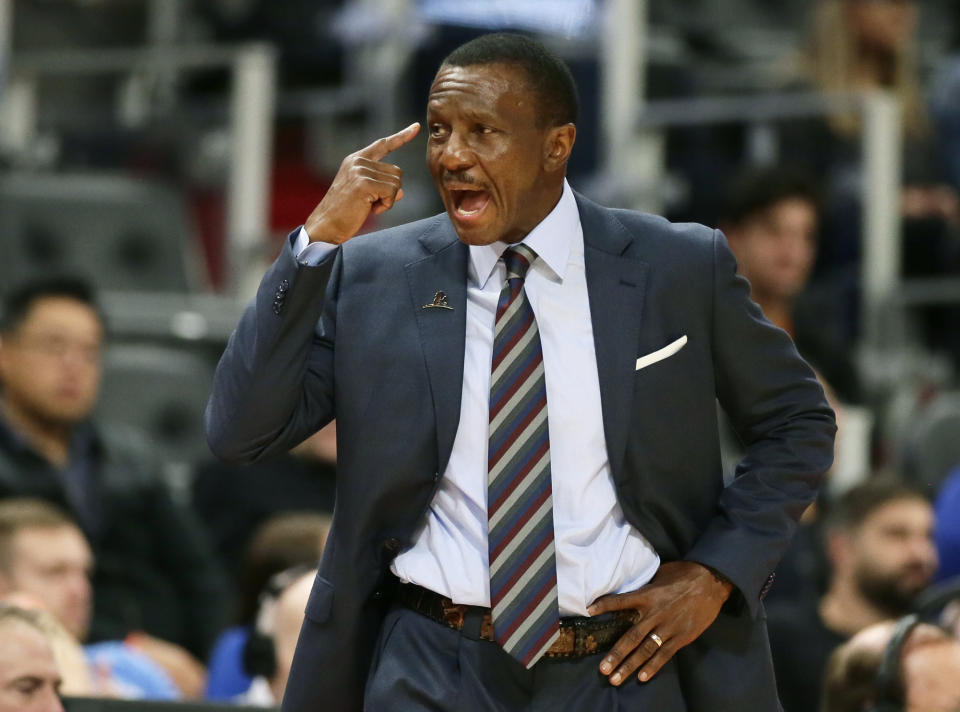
(438, 130)
(483, 129)
(28, 686)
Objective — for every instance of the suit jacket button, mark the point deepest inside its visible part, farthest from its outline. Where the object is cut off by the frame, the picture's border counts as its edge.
(377, 595)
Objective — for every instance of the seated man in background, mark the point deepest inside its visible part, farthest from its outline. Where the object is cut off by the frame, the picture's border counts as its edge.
(29, 678)
(925, 679)
(45, 556)
(879, 540)
(154, 571)
(278, 625)
(283, 543)
(772, 222)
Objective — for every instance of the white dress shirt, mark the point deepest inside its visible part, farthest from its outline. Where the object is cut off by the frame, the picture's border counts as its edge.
(598, 552)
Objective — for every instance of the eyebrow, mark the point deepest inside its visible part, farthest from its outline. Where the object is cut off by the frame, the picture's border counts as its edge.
(480, 115)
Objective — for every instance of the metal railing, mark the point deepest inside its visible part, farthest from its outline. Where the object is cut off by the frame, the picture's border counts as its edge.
(251, 112)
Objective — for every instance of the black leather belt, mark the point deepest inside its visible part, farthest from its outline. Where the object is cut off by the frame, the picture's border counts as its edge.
(578, 636)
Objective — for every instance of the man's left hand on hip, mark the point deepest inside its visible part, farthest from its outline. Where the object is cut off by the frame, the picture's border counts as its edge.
(679, 603)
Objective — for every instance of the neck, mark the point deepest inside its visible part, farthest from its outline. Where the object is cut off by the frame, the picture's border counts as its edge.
(49, 438)
(844, 610)
(777, 311)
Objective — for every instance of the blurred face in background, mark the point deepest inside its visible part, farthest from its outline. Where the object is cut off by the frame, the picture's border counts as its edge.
(29, 679)
(776, 248)
(53, 565)
(893, 554)
(884, 26)
(50, 364)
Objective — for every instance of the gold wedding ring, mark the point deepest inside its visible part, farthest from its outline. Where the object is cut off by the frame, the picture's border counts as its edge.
(656, 639)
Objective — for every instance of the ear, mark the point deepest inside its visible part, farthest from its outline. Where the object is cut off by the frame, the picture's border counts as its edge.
(557, 146)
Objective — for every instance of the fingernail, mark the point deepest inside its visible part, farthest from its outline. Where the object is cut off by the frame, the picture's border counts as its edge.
(615, 679)
(592, 610)
(644, 677)
(605, 667)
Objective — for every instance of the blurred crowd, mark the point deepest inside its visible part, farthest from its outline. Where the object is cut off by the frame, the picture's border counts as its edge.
(119, 580)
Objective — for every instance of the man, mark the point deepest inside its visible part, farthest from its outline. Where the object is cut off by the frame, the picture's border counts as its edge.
(395, 334)
(925, 678)
(29, 679)
(45, 557)
(278, 622)
(154, 572)
(772, 222)
(879, 542)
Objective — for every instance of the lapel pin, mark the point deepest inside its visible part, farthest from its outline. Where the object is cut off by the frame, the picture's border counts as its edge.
(439, 302)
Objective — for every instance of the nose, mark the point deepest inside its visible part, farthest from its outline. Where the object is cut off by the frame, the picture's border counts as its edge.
(50, 702)
(455, 154)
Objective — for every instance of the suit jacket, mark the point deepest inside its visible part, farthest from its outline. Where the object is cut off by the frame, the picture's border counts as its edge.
(391, 372)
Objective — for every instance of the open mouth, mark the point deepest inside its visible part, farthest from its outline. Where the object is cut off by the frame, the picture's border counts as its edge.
(469, 204)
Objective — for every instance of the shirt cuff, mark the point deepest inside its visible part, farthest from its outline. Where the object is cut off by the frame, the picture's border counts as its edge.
(309, 253)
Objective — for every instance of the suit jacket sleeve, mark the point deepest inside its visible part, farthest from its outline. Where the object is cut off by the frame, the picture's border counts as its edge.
(273, 386)
(780, 412)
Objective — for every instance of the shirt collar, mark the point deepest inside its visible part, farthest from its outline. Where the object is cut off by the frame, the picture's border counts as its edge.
(552, 240)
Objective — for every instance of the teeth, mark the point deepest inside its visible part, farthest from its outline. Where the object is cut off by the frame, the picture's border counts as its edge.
(468, 213)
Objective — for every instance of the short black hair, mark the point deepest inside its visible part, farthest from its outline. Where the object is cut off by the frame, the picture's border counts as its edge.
(856, 505)
(18, 303)
(758, 189)
(548, 75)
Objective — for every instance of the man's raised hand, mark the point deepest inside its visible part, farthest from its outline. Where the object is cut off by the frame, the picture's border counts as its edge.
(364, 184)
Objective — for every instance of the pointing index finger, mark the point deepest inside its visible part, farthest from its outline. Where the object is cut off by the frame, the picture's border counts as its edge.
(382, 146)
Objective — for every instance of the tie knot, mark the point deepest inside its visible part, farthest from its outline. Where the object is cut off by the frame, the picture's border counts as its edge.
(518, 259)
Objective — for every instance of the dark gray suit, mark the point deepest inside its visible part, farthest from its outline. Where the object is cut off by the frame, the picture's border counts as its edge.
(391, 372)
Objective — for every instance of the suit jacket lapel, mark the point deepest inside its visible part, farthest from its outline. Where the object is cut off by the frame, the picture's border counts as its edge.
(442, 331)
(616, 284)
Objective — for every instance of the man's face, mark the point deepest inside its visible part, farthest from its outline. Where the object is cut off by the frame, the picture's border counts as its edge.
(930, 674)
(894, 557)
(29, 679)
(776, 248)
(50, 364)
(489, 159)
(53, 565)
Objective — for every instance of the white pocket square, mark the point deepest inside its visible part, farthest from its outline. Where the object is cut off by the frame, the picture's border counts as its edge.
(660, 354)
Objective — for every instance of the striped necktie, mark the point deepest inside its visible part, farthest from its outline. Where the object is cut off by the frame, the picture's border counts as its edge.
(523, 566)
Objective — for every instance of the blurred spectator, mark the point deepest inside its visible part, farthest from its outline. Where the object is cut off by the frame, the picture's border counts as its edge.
(233, 501)
(772, 222)
(863, 45)
(154, 571)
(76, 677)
(947, 507)
(925, 678)
(879, 542)
(285, 542)
(45, 556)
(29, 677)
(278, 628)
